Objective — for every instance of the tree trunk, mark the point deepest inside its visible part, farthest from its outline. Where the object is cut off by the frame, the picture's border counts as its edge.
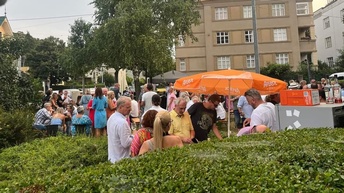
(83, 84)
(116, 74)
(136, 74)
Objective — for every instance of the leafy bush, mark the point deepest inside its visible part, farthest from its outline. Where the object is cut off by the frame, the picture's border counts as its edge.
(308, 160)
(17, 90)
(16, 127)
(31, 164)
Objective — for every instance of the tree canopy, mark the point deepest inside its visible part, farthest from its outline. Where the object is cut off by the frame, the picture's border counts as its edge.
(140, 35)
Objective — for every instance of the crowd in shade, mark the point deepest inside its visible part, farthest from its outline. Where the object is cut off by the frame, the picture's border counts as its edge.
(154, 121)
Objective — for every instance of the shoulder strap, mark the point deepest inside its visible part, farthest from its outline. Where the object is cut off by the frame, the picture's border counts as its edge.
(150, 144)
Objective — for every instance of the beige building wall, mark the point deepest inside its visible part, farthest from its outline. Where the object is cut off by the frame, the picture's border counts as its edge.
(203, 55)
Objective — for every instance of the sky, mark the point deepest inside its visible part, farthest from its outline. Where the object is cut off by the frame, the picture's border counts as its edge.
(35, 16)
(23, 15)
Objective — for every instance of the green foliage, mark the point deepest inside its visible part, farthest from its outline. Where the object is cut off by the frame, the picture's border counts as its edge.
(11, 48)
(16, 91)
(43, 60)
(340, 61)
(282, 72)
(16, 127)
(9, 92)
(129, 80)
(307, 160)
(77, 58)
(107, 78)
(323, 71)
(123, 41)
(29, 164)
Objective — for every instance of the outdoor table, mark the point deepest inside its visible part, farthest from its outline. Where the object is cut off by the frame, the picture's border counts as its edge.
(318, 116)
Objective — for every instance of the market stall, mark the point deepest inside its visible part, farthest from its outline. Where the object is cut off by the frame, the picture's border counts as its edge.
(302, 109)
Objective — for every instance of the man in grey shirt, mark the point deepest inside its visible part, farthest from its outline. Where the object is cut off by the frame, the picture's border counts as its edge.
(119, 133)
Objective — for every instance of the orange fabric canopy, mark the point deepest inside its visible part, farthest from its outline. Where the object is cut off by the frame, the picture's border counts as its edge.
(229, 82)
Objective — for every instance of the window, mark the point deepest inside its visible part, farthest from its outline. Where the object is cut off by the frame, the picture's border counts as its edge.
(278, 10)
(328, 42)
(182, 65)
(330, 61)
(280, 35)
(302, 8)
(247, 10)
(282, 58)
(222, 38)
(221, 13)
(250, 61)
(342, 15)
(249, 36)
(326, 22)
(180, 41)
(223, 62)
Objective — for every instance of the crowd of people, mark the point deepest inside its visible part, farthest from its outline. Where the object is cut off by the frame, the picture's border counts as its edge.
(183, 118)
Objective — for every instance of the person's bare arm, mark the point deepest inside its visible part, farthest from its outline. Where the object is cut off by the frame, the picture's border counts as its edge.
(217, 132)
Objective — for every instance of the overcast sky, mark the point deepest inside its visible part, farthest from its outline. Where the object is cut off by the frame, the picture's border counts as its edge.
(23, 15)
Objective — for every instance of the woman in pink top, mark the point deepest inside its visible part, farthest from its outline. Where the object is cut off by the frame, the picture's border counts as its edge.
(143, 134)
(171, 98)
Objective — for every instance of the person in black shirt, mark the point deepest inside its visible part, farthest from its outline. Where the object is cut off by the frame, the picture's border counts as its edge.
(203, 117)
(59, 99)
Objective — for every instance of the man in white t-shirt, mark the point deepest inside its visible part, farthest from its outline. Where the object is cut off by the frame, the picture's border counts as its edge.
(263, 113)
(147, 97)
(134, 107)
(156, 100)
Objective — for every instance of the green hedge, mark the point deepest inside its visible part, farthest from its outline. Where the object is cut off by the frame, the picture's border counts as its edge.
(16, 127)
(308, 160)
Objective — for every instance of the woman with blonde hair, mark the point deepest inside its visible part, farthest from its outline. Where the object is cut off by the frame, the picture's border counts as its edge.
(53, 101)
(111, 108)
(59, 119)
(160, 140)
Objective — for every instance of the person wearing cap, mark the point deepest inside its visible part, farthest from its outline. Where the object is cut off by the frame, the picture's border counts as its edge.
(294, 86)
(203, 116)
(81, 119)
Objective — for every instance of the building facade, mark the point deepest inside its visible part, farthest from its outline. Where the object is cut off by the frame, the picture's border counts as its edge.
(285, 31)
(329, 31)
(5, 28)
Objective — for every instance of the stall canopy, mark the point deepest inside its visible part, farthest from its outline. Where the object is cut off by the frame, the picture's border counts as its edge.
(167, 77)
(229, 82)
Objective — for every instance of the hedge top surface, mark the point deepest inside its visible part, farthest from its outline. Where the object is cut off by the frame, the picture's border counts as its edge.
(308, 160)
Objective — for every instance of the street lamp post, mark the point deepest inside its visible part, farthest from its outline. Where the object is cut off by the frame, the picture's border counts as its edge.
(102, 68)
(308, 70)
(255, 36)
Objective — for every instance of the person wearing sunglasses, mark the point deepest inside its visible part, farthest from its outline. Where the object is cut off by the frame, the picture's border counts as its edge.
(203, 116)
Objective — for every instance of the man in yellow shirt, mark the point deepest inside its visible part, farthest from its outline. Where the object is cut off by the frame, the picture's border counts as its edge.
(181, 122)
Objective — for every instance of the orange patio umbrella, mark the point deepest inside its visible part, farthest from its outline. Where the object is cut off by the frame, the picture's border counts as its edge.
(229, 82)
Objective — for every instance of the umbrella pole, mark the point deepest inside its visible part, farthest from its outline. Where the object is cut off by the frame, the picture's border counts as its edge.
(229, 111)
